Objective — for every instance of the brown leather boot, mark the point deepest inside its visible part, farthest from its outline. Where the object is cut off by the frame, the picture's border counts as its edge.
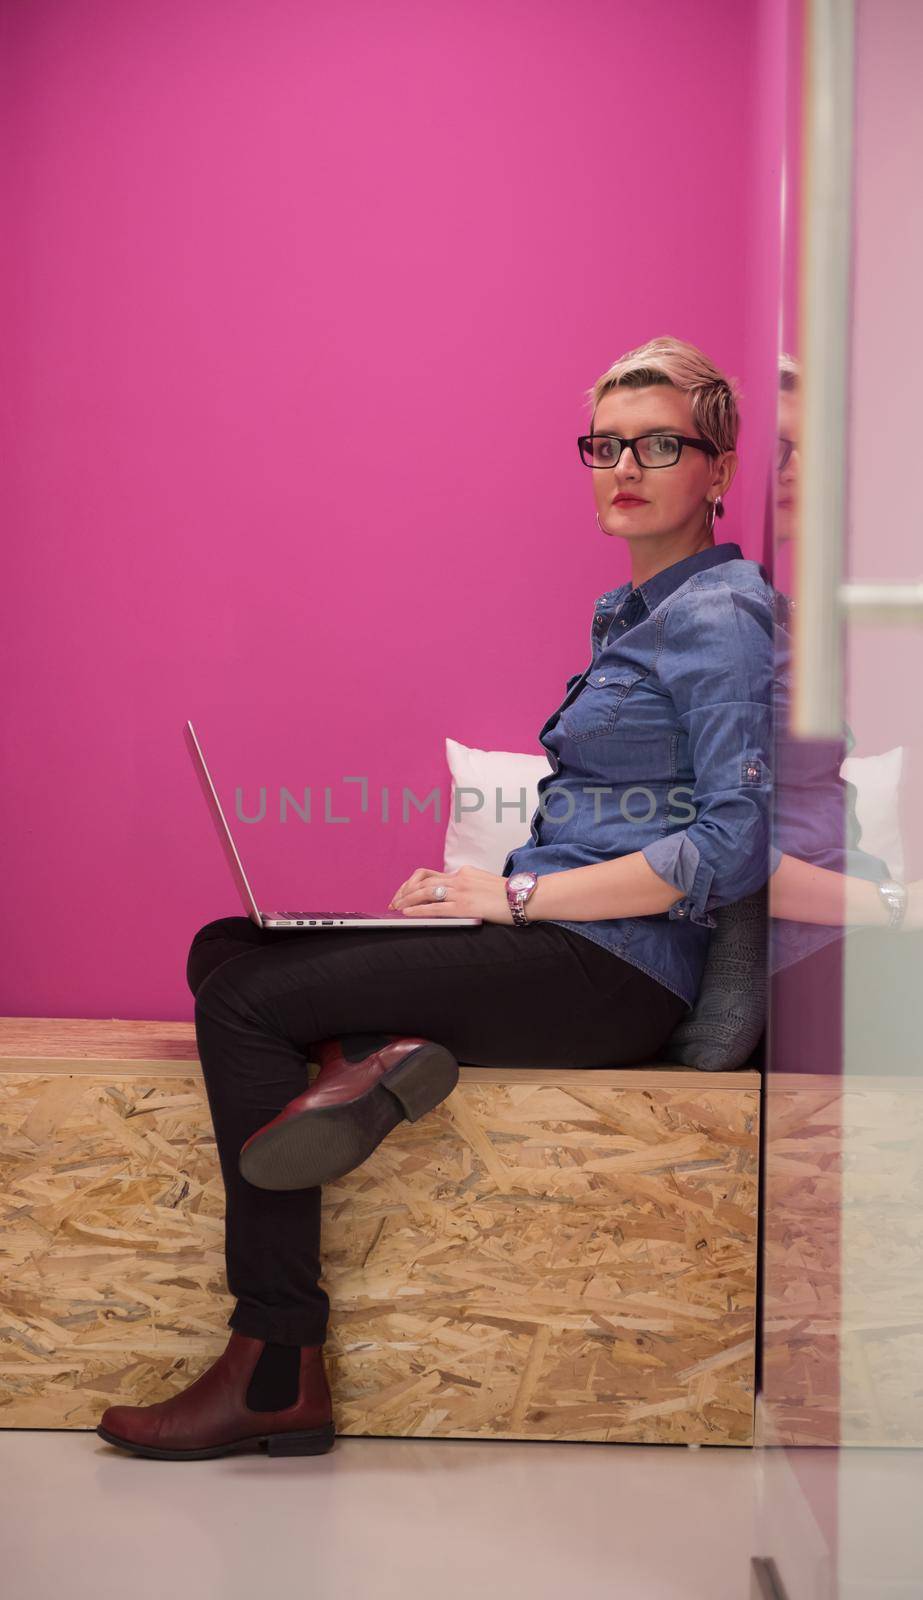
(212, 1418)
(365, 1087)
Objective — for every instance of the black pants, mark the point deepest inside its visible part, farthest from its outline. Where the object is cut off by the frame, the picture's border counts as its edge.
(494, 995)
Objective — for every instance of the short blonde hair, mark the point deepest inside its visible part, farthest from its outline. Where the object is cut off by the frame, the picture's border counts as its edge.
(789, 374)
(714, 397)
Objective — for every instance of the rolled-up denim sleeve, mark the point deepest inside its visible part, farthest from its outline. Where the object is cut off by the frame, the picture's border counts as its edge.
(716, 662)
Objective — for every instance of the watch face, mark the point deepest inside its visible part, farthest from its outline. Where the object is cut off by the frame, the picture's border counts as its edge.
(521, 880)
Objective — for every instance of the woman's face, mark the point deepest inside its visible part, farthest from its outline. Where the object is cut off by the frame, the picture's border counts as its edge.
(786, 524)
(674, 497)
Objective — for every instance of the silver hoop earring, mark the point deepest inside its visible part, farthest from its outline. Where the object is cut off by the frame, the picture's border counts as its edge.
(599, 524)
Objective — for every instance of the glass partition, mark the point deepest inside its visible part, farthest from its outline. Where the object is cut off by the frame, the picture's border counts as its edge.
(839, 1415)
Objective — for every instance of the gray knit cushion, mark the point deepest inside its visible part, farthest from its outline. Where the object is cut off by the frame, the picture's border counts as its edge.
(725, 1025)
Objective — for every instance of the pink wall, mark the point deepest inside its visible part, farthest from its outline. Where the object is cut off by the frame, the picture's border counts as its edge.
(249, 236)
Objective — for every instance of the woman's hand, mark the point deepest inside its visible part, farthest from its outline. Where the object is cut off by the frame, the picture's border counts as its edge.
(470, 892)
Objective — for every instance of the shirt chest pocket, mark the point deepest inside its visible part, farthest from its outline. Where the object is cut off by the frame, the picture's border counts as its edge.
(596, 712)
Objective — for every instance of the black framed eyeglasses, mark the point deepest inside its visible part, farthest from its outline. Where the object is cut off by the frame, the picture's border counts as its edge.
(785, 447)
(648, 449)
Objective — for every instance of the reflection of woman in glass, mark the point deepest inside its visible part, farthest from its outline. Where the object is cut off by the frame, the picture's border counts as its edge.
(593, 937)
(788, 460)
(824, 886)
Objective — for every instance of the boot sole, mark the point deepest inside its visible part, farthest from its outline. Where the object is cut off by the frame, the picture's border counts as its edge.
(313, 1442)
(316, 1147)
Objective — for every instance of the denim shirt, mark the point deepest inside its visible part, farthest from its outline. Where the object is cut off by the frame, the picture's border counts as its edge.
(664, 744)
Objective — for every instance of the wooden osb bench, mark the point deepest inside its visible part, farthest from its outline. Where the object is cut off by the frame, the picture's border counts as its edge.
(548, 1255)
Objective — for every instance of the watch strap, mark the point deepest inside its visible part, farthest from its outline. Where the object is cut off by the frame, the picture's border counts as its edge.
(894, 896)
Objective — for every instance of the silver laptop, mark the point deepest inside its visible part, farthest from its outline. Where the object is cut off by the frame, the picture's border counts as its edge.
(298, 919)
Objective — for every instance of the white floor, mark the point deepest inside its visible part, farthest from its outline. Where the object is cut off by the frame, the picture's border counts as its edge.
(391, 1519)
(451, 1520)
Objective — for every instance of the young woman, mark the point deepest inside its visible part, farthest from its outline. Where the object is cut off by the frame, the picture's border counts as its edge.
(593, 937)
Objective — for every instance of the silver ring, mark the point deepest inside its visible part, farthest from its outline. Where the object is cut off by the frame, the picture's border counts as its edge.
(440, 891)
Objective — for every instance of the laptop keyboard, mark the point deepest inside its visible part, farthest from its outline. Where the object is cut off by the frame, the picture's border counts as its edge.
(301, 915)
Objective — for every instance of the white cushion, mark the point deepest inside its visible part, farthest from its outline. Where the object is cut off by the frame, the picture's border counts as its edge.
(878, 780)
(476, 837)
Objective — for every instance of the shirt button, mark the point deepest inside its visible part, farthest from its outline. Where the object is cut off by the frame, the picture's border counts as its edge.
(602, 678)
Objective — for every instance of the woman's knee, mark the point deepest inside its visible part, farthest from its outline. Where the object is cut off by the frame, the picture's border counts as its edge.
(214, 944)
(226, 928)
(230, 989)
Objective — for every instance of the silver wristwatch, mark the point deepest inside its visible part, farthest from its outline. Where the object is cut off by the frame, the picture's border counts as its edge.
(518, 889)
(894, 896)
